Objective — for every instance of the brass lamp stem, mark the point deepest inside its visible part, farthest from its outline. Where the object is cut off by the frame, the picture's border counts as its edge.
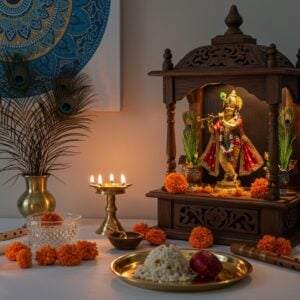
(110, 223)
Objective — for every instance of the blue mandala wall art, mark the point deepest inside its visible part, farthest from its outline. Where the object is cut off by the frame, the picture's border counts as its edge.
(49, 37)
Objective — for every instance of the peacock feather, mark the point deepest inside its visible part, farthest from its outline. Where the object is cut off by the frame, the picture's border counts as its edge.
(37, 132)
(286, 136)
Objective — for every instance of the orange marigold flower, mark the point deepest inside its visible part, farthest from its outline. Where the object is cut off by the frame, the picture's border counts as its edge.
(24, 258)
(259, 188)
(267, 243)
(207, 189)
(176, 183)
(68, 255)
(46, 255)
(198, 189)
(11, 251)
(87, 249)
(201, 237)
(51, 219)
(156, 236)
(283, 246)
(141, 228)
(238, 192)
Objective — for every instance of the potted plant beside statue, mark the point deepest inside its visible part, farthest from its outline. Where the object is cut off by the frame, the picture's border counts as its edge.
(191, 168)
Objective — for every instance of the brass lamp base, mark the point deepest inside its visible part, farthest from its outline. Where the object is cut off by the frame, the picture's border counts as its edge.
(110, 223)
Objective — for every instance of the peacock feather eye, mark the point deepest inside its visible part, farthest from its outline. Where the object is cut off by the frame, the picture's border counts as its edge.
(19, 80)
(66, 108)
(63, 87)
(287, 117)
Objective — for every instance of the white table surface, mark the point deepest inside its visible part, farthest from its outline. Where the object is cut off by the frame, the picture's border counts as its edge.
(93, 280)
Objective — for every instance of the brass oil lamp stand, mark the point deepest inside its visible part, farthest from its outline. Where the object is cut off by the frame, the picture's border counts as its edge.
(110, 222)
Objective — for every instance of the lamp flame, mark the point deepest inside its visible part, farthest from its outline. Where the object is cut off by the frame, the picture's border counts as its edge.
(111, 178)
(92, 179)
(123, 179)
(99, 179)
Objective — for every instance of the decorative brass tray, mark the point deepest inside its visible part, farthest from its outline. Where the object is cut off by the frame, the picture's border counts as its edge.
(234, 270)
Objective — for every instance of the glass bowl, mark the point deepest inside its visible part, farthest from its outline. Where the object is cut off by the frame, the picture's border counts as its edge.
(54, 229)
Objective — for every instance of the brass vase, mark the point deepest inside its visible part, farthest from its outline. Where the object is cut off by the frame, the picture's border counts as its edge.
(36, 198)
(193, 174)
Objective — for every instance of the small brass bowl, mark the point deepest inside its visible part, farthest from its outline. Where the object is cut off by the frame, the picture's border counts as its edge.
(125, 240)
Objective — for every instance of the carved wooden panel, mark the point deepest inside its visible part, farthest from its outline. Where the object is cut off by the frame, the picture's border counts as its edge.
(243, 55)
(291, 218)
(217, 218)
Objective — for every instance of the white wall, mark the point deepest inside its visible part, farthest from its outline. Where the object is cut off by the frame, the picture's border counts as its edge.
(133, 141)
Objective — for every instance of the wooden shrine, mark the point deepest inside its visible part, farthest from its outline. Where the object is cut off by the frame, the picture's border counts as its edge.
(233, 59)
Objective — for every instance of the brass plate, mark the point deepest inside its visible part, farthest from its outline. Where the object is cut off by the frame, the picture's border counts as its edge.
(234, 269)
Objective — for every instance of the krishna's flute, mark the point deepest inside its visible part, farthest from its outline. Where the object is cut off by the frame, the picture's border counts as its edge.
(265, 256)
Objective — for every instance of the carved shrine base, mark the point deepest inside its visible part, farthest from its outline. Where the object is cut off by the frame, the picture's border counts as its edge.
(235, 219)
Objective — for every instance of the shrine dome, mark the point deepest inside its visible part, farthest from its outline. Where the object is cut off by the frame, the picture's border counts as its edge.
(233, 50)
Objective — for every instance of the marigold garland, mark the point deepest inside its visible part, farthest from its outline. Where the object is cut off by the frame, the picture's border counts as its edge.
(68, 255)
(176, 183)
(11, 251)
(201, 237)
(51, 219)
(24, 258)
(46, 255)
(88, 250)
(278, 245)
(259, 188)
(141, 228)
(156, 236)
(238, 192)
(207, 189)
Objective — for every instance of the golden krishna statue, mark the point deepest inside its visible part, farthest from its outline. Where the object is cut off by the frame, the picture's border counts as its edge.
(228, 145)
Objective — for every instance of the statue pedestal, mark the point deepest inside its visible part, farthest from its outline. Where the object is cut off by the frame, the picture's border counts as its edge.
(229, 186)
(231, 219)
